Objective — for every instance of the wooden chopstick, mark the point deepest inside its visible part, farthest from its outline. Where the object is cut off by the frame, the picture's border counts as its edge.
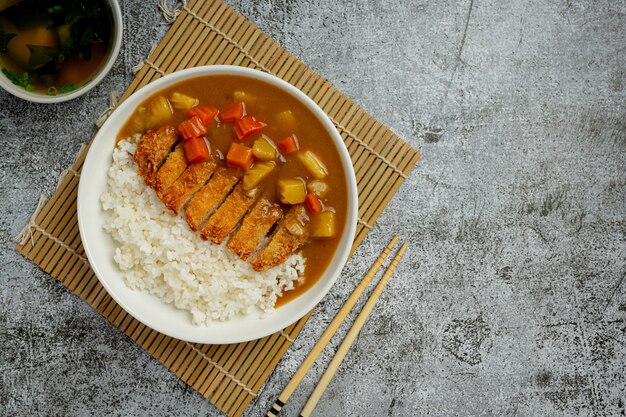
(329, 332)
(349, 339)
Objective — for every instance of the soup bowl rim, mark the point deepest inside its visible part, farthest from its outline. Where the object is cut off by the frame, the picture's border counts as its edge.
(114, 50)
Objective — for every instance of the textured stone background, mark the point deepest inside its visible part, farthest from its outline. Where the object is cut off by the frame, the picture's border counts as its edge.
(511, 299)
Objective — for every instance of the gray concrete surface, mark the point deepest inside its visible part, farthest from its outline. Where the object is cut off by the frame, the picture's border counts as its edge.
(511, 300)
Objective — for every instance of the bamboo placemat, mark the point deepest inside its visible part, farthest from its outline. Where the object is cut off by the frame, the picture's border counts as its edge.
(205, 33)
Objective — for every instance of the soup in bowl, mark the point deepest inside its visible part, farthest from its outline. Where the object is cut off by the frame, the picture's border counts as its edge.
(55, 50)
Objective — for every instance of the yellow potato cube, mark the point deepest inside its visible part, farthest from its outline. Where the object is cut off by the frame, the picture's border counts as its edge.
(256, 174)
(318, 187)
(323, 225)
(159, 112)
(183, 102)
(314, 164)
(264, 149)
(287, 120)
(244, 97)
(291, 191)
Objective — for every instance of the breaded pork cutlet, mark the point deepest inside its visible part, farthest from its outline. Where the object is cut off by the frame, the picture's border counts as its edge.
(209, 196)
(226, 217)
(152, 149)
(290, 235)
(254, 228)
(174, 166)
(190, 181)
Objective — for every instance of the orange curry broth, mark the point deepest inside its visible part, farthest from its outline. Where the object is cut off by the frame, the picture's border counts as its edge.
(265, 101)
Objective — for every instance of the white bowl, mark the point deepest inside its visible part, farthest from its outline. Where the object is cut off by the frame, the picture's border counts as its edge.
(149, 309)
(114, 50)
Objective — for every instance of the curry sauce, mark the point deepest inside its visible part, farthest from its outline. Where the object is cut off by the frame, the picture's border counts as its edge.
(282, 116)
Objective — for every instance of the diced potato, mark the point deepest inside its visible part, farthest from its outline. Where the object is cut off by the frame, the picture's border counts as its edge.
(159, 112)
(286, 120)
(291, 191)
(257, 173)
(314, 164)
(183, 102)
(239, 95)
(244, 97)
(318, 187)
(264, 149)
(323, 225)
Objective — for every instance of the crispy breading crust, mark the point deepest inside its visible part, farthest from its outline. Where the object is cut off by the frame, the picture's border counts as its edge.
(226, 217)
(210, 196)
(152, 149)
(194, 177)
(254, 227)
(282, 243)
(174, 166)
(176, 181)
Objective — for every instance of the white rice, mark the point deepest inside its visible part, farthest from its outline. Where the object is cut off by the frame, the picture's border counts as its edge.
(157, 252)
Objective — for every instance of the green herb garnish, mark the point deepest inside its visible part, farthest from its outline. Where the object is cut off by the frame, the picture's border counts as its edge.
(53, 91)
(16, 79)
(54, 9)
(68, 88)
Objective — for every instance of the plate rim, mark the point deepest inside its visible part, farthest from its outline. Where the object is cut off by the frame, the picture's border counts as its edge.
(339, 259)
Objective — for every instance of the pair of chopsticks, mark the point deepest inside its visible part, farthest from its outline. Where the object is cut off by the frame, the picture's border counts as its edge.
(332, 329)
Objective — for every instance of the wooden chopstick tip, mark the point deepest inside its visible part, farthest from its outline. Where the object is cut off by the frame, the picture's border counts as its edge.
(391, 269)
(350, 337)
(403, 248)
(330, 330)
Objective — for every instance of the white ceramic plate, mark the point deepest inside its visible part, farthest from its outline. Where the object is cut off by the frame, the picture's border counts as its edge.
(149, 309)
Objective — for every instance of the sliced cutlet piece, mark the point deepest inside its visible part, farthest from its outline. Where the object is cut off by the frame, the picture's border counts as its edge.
(174, 166)
(152, 149)
(190, 181)
(226, 217)
(290, 235)
(254, 228)
(209, 196)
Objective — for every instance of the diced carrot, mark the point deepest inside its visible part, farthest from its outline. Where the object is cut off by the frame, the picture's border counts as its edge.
(239, 156)
(205, 113)
(192, 128)
(196, 150)
(238, 134)
(233, 113)
(247, 126)
(313, 203)
(289, 144)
